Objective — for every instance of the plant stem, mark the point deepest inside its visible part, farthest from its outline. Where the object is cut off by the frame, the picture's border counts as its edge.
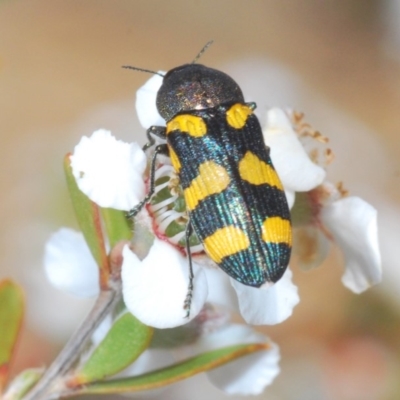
(49, 385)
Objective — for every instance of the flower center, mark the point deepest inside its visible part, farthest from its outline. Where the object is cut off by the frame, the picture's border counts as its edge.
(168, 210)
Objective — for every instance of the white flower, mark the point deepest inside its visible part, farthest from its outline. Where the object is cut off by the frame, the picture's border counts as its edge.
(295, 169)
(102, 162)
(69, 265)
(248, 375)
(155, 289)
(146, 102)
(258, 306)
(353, 224)
(348, 221)
(267, 306)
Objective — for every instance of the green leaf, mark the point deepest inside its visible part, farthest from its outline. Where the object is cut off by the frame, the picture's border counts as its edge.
(117, 225)
(22, 383)
(174, 373)
(124, 343)
(11, 315)
(89, 219)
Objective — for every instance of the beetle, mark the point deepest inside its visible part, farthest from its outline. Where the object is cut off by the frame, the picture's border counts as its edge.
(234, 198)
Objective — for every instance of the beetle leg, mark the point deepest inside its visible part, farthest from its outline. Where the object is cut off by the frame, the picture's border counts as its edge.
(252, 105)
(158, 131)
(160, 149)
(188, 300)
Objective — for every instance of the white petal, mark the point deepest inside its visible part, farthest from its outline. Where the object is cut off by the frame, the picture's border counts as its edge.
(294, 167)
(146, 102)
(155, 289)
(248, 375)
(290, 197)
(267, 306)
(109, 171)
(220, 290)
(69, 265)
(353, 224)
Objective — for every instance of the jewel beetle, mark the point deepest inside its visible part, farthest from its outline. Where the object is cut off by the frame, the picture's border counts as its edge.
(234, 198)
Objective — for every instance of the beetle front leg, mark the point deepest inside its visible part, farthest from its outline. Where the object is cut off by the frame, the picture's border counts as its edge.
(188, 300)
(160, 149)
(158, 131)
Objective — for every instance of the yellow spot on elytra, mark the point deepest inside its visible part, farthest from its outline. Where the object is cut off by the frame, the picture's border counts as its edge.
(258, 172)
(174, 160)
(190, 124)
(237, 115)
(212, 179)
(276, 230)
(225, 242)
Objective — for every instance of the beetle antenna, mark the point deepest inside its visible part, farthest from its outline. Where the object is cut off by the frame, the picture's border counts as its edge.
(207, 45)
(142, 70)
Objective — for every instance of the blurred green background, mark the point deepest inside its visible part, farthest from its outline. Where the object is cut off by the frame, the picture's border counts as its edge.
(337, 61)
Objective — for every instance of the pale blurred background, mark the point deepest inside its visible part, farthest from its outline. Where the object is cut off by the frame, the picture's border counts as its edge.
(337, 61)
